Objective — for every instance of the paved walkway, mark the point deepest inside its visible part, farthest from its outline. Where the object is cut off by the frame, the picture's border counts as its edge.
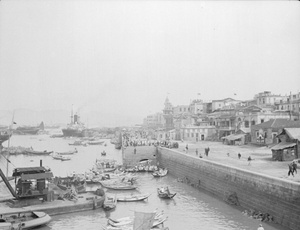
(228, 154)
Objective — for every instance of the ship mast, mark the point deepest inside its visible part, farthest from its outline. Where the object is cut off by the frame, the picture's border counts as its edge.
(8, 143)
(72, 115)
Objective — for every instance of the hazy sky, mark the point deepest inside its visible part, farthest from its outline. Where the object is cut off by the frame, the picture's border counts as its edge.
(123, 57)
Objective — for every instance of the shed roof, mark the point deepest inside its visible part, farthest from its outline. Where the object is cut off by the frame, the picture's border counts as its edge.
(233, 137)
(283, 145)
(279, 123)
(294, 133)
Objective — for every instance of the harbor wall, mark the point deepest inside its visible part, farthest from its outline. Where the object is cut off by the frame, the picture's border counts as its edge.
(132, 157)
(266, 194)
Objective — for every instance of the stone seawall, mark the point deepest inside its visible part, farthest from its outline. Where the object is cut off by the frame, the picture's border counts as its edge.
(278, 198)
(131, 157)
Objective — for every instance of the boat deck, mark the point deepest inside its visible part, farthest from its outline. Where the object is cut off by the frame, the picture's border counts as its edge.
(86, 201)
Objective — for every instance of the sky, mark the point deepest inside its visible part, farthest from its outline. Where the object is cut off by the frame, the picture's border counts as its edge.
(123, 58)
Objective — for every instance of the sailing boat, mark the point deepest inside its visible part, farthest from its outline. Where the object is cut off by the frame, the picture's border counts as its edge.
(140, 221)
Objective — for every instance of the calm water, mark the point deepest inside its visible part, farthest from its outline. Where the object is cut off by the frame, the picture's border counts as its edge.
(189, 210)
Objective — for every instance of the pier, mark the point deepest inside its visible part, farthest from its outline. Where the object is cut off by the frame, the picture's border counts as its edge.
(276, 197)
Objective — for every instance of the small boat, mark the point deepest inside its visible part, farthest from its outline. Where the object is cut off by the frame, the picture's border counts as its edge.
(78, 143)
(160, 173)
(136, 197)
(95, 142)
(109, 203)
(60, 157)
(118, 186)
(165, 193)
(23, 219)
(68, 153)
(45, 152)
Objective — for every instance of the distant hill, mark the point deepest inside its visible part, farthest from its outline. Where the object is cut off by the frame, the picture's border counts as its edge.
(62, 117)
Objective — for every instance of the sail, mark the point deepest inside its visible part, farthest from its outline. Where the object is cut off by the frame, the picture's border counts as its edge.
(143, 220)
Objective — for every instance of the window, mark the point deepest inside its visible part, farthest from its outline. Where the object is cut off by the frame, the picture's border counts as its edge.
(188, 135)
(262, 120)
(252, 122)
(192, 135)
(247, 124)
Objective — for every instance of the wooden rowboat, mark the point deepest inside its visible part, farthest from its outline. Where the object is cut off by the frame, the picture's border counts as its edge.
(118, 186)
(24, 219)
(165, 193)
(60, 157)
(33, 152)
(68, 153)
(136, 197)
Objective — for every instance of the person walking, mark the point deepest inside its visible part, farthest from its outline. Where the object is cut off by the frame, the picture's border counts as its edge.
(196, 152)
(239, 155)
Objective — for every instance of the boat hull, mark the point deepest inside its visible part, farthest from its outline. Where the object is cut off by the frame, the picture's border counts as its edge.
(133, 198)
(73, 133)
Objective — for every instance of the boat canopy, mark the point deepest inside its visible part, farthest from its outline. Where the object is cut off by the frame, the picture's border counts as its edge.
(29, 170)
(37, 176)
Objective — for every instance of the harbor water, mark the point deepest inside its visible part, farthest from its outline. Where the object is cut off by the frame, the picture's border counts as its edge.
(190, 209)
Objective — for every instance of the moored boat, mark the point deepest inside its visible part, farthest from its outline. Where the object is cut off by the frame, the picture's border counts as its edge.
(160, 173)
(95, 142)
(24, 219)
(118, 186)
(60, 157)
(68, 152)
(131, 198)
(33, 152)
(165, 193)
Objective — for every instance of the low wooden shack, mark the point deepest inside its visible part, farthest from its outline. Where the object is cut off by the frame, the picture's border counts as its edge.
(288, 148)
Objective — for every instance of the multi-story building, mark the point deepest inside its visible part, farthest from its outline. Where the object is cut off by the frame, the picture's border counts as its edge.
(219, 104)
(196, 133)
(267, 98)
(291, 104)
(154, 121)
(180, 109)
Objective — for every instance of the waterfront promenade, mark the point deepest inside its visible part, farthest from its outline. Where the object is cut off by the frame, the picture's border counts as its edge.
(261, 158)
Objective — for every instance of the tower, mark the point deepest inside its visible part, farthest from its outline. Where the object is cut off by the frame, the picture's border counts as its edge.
(168, 115)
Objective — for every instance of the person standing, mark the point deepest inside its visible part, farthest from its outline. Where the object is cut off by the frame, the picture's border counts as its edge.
(196, 152)
(249, 160)
(239, 156)
(291, 169)
(260, 227)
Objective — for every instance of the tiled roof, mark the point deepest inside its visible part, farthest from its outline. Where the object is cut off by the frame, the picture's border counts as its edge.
(279, 123)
